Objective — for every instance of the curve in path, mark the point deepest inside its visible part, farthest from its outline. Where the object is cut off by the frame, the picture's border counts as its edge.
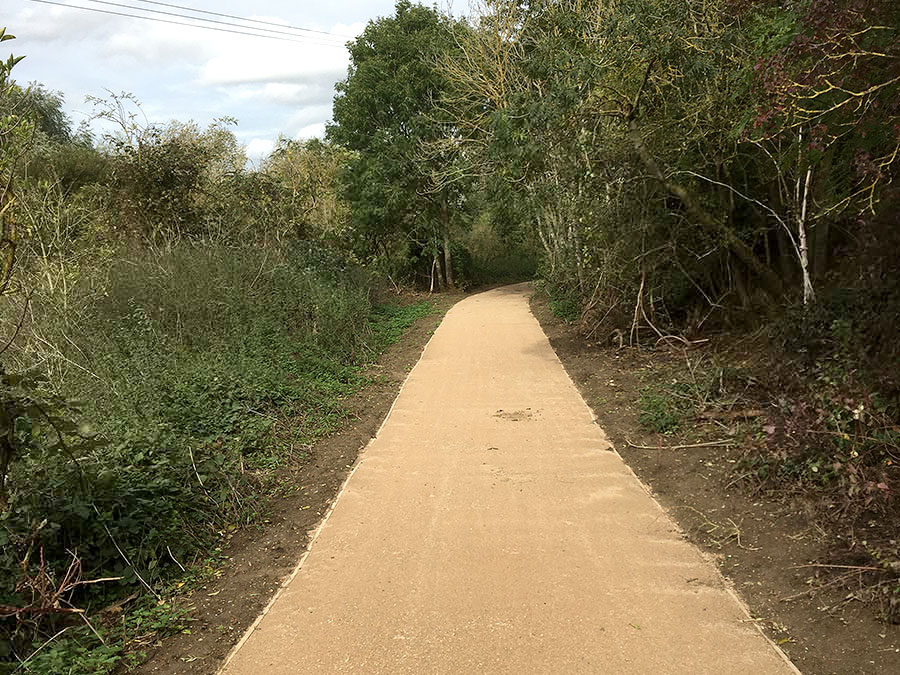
(490, 527)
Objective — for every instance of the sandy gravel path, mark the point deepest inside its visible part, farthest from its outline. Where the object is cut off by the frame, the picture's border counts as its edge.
(491, 528)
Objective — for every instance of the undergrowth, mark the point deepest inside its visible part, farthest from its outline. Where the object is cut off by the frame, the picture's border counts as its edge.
(199, 370)
(817, 416)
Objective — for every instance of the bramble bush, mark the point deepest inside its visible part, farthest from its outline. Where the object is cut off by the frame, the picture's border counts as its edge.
(201, 369)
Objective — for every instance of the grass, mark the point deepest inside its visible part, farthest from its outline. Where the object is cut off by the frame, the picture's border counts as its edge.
(201, 371)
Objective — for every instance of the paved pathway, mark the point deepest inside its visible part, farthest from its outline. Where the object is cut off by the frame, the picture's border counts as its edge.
(491, 528)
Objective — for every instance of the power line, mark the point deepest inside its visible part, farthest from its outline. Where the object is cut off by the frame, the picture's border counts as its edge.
(197, 18)
(190, 25)
(232, 16)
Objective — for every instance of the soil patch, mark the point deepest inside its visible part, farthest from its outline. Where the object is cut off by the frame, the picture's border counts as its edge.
(259, 558)
(767, 545)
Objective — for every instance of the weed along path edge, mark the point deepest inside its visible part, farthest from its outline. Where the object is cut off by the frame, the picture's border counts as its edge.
(490, 527)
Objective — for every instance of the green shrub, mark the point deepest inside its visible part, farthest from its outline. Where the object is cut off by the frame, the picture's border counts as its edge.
(200, 368)
(660, 411)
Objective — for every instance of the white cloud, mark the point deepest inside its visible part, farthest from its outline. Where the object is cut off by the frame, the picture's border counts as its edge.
(275, 62)
(259, 148)
(287, 94)
(316, 130)
(157, 46)
(307, 116)
(49, 24)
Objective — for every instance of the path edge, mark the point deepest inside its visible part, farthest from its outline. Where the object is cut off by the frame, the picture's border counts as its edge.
(727, 585)
(318, 529)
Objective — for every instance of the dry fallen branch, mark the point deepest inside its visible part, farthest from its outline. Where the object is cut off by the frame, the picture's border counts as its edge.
(720, 534)
(47, 594)
(708, 444)
(681, 339)
(860, 568)
(731, 415)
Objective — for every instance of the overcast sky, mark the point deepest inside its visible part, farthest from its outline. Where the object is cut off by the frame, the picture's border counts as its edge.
(271, 87)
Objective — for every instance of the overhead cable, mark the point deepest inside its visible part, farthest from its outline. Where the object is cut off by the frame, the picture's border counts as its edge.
(197, 18)
(240, 18)
(298, 39)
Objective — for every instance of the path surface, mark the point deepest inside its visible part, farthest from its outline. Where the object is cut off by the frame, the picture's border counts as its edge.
(491, 528)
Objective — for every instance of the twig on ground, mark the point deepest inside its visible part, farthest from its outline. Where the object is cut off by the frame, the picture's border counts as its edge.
(738, 479)
(680, 338)
(708, 444)
(812, 591)
(860, 568)
(731, 415)
(732, 532)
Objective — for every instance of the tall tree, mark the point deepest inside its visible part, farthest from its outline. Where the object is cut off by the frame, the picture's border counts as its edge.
(386, 111)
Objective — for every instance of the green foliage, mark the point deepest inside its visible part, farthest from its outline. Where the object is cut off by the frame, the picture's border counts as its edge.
(181, 342)
(202, 369)
(157, 184)
(306, 177)
(16, 128)
(686, 390)
(662, 409)
(70, 165)
(664, 144)
(837, 427)
(46, 109)
(503, 269)
(565, 307)
(389, 321)
(80, 654)
(82, 651)
(564, 303)
(495, 251)
(386, 111)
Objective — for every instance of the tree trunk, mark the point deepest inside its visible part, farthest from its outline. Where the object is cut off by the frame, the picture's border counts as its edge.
(448, 259)
(808, 293)
(771, 282)
(438, 270)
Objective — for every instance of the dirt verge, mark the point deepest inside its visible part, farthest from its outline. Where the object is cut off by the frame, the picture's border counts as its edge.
(258, 558)
(767, 545)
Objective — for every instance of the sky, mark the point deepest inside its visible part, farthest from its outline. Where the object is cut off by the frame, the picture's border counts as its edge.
(272, 87)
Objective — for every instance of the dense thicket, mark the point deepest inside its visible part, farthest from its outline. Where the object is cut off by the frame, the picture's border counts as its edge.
(709, 154)
(386, 111)
(678, 161)
(176, 327)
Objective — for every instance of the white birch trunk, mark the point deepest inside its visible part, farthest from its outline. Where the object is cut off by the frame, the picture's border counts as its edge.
(809, 294)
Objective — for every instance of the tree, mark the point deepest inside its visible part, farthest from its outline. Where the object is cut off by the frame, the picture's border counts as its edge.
(386, 111)
(824, 113)
(165, 181)
(307, 173)
(16, 130)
